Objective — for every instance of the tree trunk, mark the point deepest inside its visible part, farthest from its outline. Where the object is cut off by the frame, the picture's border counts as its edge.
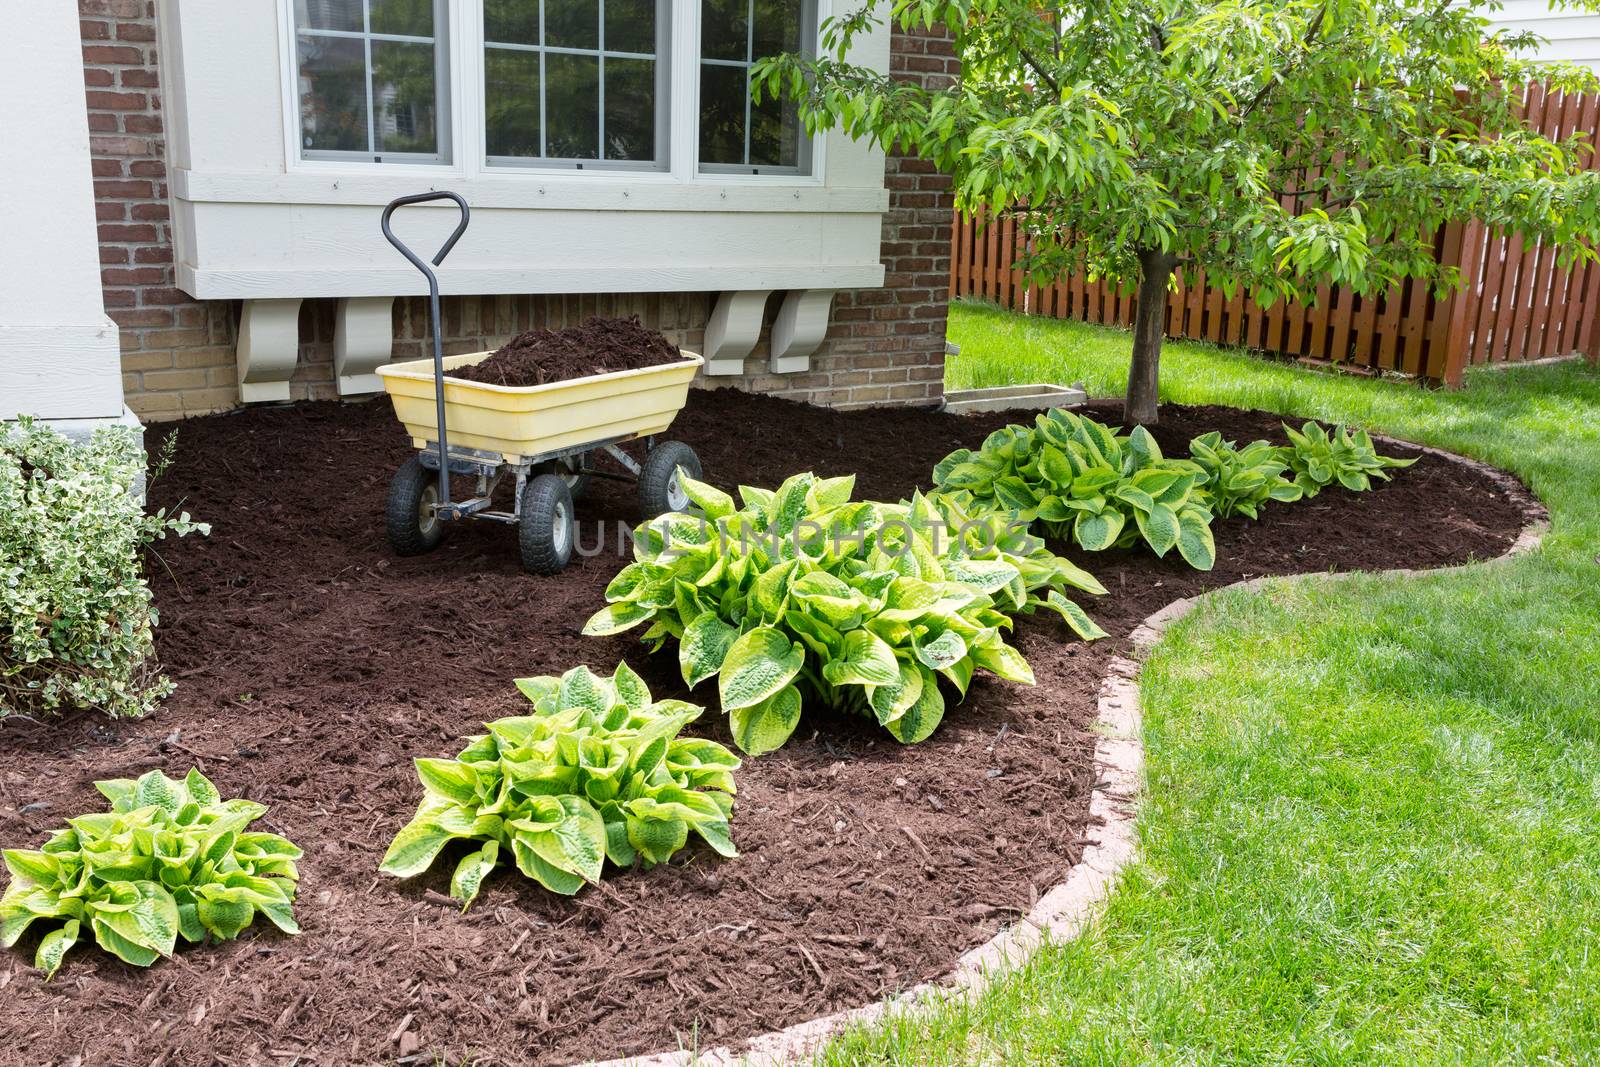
(1149, 319)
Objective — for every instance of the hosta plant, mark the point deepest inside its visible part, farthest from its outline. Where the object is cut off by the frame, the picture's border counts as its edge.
(1242, 481)
(801, 595)
(1319, 458)
(170, 859)
(1085, 481)
(596, 772)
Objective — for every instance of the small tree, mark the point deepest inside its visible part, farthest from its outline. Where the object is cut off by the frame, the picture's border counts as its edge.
(1276, 145)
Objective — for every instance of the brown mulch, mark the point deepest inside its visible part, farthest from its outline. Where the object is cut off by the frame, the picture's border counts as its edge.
(596, 346)
(313, 666)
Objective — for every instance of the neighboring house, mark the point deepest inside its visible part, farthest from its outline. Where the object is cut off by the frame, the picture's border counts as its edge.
(242, 153)
(1570, 34)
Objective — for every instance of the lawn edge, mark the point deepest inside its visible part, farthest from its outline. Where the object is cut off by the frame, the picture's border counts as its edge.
(1063, 912)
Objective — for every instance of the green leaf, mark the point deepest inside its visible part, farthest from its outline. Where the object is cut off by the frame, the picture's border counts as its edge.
(704, 647)
(1096, 533)
(922, 718)
(449, 779)
(766, 725)
(1160, 528)
(53, 948)
(471, 871)
(863, 659)
(616, 618)
(1195, 541)
(758, 665)
(415, 847)
(1075, 616)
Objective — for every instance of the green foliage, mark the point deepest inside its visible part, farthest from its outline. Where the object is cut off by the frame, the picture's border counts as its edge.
(597, 772)
(1346, 456)
(801, 594)
(170, 859)
(1241, 481)
(1085, 481)
(1270, 144)
(75, 614)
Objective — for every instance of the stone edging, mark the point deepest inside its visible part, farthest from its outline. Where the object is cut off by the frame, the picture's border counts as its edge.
(1063, 912)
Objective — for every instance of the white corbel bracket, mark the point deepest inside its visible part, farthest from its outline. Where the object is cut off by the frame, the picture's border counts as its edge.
(801, 325)
(734, 328)
(269, 348)
(363, 339)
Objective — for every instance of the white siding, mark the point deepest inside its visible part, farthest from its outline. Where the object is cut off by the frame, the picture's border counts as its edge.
(1571, 35)
(252, 222)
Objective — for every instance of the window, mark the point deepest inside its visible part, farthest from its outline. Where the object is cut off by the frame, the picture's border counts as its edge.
(576, 83)
(736, 134)
(372, 78)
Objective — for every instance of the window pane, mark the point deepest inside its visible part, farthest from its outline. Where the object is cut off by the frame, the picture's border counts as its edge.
(410, 18)
(777, 28)
(630, 109)
(722, 114)
(722, 29)
(572, 105)
(328, 15)
(571, 24)
(404, 91)
(333, 94)
(511, 102)
(774, 134)
(511, 21)
(631, 26)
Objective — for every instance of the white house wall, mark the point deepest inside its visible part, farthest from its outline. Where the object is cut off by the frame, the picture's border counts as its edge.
(250, 222)
(59, 355)
(1571, 36)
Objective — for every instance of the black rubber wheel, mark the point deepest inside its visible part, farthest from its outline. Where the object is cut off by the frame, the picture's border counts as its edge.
(659, 491)
(571, 472)
(412, 526)
(546, 531)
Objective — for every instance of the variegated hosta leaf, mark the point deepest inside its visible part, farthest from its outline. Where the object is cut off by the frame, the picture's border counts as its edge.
(171, 859)
(553, 792)
(820, 598)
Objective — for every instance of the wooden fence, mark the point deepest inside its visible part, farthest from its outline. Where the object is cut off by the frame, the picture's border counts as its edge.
(1517, 304)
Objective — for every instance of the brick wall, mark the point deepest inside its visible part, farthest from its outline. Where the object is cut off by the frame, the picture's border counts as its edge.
(884, 346)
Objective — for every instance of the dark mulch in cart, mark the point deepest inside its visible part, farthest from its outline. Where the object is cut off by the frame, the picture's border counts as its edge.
(313, 665)
(595, 346)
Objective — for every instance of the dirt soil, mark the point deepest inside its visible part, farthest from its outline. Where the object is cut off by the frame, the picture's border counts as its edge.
(597, 346)
(313, 665)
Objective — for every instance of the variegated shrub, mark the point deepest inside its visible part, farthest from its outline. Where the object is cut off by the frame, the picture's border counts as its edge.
(801, 595)
(170, 859)
(1083, 480)
(597, 772)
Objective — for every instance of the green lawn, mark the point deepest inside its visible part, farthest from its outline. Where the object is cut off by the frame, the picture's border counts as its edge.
(1372, 826)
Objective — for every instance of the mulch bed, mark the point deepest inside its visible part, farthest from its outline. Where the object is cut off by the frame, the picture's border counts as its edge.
(596, 346)
(313, 665)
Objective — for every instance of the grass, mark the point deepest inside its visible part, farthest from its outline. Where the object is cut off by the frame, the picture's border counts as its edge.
(1373, 806)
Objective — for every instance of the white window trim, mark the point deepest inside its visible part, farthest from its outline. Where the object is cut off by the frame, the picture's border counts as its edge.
(809, 154)
(467, 132)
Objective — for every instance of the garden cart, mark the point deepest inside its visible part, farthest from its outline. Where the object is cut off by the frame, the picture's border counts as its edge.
(544, 437)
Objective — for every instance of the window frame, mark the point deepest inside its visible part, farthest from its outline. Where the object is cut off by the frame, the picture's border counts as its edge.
(465, 130)
(663, 59)
(809, 147)
(443, 42)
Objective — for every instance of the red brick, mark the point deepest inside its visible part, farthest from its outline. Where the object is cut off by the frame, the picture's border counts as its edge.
(136, 78)
(106, 168)
(157, 211)
(99, 122)
(129, 190)
(135, 31)
(127, 233)
(113, 55)
(104, 101)
(142, 123)
(148, 168)
(91, 30)
(96, 78)
(133, 276)
(130, 318)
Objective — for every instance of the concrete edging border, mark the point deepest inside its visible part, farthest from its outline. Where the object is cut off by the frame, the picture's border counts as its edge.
(1063, 912)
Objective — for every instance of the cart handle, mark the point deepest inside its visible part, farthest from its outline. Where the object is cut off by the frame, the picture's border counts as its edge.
(433, 312)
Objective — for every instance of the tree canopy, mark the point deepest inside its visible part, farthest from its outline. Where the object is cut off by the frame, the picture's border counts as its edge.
(1272, 144)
